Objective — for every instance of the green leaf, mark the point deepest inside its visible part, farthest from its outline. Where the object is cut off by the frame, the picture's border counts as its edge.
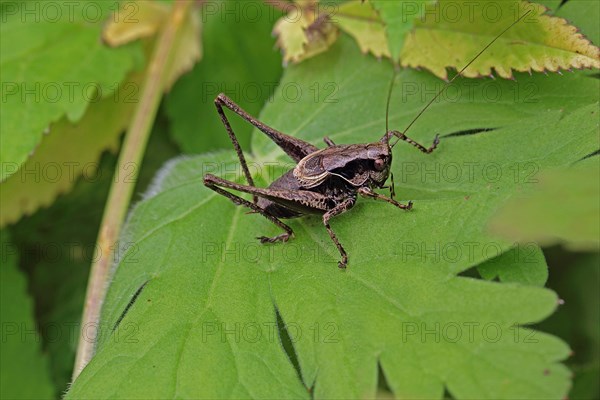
(536, 216)
(551, 5)
(399, 17)
(53, 65)
(239, 59)
(576, 276)
(68, 152)
(524, 264)
(24, 367)
(585, 383)
(58, 245)
(198, 296)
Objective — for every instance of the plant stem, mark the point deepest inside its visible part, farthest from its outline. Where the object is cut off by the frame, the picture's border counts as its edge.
(121, 189)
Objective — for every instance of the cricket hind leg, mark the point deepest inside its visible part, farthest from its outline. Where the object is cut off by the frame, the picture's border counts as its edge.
(219, 102)
(337, 210)
(212, 182)
(295, 148)
(294, 198)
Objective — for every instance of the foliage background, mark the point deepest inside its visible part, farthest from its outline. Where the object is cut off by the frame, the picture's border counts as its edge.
(46, 290)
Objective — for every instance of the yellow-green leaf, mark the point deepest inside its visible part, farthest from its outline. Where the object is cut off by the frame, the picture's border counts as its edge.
(147, 20)
(135, 20)
(303, 33)
(362, 23)
(537, 43)
(188, 49)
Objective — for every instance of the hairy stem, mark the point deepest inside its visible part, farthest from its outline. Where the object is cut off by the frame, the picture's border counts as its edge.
(121, 190)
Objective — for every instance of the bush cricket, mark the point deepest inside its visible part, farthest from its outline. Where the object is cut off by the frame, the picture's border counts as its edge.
(324, 181)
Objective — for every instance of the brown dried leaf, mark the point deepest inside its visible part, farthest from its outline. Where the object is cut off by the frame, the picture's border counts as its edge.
(303, 33)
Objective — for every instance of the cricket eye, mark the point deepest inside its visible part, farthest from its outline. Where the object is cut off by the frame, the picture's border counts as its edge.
(379, 164)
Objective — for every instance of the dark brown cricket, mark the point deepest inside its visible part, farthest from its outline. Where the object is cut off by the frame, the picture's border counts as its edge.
(324, 181)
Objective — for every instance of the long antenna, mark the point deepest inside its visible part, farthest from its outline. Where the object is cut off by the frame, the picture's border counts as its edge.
(455, 76)
(389, 96)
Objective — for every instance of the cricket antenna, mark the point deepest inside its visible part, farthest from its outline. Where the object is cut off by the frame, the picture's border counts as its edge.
(389, 96)
(449, 82)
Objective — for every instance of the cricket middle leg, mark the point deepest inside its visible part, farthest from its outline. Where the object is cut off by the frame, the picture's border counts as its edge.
(337, 210)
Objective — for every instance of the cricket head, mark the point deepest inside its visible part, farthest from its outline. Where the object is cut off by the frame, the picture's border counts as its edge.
(380, 155)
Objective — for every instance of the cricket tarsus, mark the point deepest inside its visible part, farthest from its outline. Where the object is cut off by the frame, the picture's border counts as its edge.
(324, 181)
(284, 237)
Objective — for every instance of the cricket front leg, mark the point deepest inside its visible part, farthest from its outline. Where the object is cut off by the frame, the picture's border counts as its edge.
(213, 182)
(337, 210)
(328, 141)
(391, 187)
(366, 192)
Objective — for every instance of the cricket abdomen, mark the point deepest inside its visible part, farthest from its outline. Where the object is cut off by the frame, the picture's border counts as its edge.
(286, 181)
(318, 200)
